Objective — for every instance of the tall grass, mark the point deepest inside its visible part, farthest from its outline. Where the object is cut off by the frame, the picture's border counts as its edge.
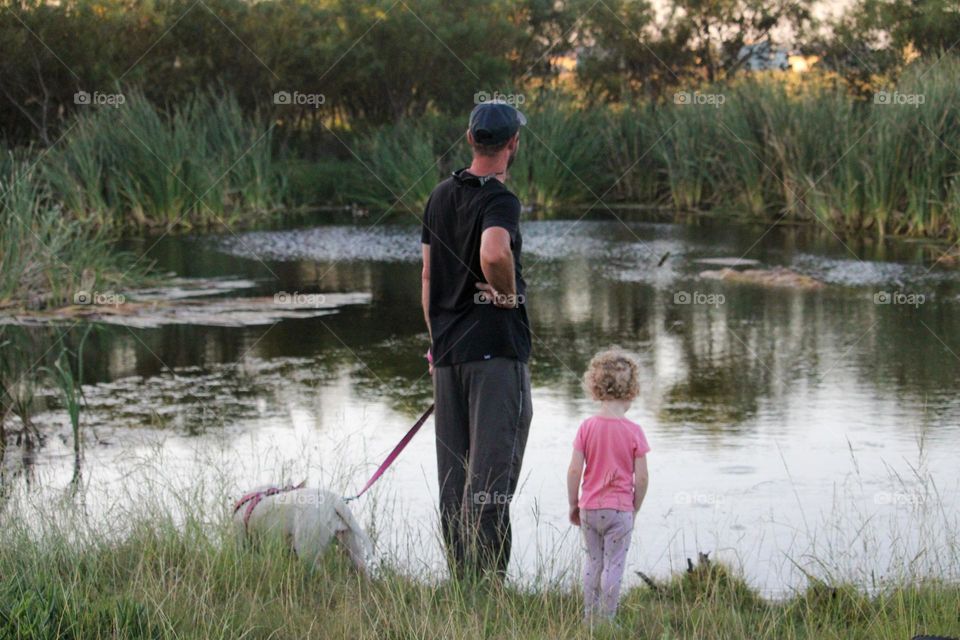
(394, 168)
(628, 155)
(47, 255)
(558, 160)
(777, 147)
(804, 148)
(799, 147)
(204, 163)
(188, 577)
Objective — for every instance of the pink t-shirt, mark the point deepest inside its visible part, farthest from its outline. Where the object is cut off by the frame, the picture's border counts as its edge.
(609, 445)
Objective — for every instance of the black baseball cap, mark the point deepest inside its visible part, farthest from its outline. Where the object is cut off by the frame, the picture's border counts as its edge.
(493, 123)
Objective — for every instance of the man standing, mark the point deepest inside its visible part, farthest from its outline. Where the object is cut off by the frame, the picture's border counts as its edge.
(474, 302)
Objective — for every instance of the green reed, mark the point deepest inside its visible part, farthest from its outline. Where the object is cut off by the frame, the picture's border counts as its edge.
(803, 147)
(46, 255)
(202, 164)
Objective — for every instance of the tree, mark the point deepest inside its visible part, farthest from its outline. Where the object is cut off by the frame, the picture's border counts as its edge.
(627, 51)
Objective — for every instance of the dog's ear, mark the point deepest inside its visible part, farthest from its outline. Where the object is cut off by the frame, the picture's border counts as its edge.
(352, 537)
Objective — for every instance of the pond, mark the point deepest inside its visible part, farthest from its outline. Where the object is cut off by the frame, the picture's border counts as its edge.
(792, 431)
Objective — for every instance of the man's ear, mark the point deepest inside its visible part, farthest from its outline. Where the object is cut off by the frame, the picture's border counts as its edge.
(514, 142)
(469, 137)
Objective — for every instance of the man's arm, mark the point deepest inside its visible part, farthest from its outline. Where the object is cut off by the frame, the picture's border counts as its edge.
(496, 262)
(425, 287)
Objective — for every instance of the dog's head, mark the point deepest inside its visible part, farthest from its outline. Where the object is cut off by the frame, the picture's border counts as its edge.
(354, 539)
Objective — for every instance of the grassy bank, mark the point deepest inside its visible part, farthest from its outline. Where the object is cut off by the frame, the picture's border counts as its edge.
(191, 580)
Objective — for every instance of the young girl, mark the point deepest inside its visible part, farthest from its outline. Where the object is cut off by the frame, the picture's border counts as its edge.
(615, 481)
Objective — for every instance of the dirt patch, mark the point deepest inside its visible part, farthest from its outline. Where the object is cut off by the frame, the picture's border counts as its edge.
(777, 277)
(188, 301)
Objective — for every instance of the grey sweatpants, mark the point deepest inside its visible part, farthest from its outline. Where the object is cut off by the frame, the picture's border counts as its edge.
(483, 413)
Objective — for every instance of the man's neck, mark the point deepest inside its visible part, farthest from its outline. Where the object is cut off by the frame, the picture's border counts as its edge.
(496, 167)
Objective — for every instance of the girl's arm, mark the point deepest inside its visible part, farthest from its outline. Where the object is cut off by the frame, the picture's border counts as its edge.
(574, 473)
(641, 479)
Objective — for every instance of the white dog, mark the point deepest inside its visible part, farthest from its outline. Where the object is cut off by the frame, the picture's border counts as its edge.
(306, 520)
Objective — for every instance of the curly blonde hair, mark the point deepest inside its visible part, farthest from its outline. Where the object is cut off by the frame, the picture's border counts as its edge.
(613, 374)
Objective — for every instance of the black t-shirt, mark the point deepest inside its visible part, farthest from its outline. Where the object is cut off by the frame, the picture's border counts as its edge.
(467, 327)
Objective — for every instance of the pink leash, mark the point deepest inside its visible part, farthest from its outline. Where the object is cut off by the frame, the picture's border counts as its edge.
(251, 500)
(394, 454)
(254, 498)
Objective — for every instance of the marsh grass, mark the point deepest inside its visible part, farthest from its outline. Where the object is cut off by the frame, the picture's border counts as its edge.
(804, 148)
(394, 168)
(780, 147)
(559, 160)
(796, 148)
(164, 574)
(46, 255)
(202, 164)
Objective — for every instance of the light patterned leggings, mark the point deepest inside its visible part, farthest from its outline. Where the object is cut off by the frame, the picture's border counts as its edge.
(606, 533)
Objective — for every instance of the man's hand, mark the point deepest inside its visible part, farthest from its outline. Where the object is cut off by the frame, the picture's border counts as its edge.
(575, 515)
(498, 299)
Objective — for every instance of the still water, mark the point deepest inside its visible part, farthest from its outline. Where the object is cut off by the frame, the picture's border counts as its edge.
(791, 431)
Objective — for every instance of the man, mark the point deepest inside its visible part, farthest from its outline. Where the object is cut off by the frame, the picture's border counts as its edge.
(474, 302)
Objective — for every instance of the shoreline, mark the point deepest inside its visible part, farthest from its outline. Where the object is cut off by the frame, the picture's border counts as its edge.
(193, 580)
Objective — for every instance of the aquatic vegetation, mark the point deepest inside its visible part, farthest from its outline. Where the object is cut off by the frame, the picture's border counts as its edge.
(809, 152)
(29, 365)
(204, 163)
(46, 255)
(394, 168)
(763, 148)
(559, 156)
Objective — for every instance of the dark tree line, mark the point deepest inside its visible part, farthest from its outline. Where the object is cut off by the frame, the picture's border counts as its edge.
(379, 61)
